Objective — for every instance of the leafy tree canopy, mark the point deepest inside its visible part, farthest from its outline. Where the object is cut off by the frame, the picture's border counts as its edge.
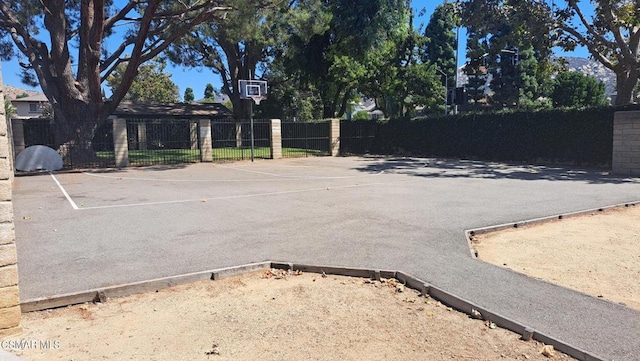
(188, 95)
(60, 44)
(611, 33)
(512, 42)
(399, 79)
(247, 40)
(576, 90)
(209, 92)
(440, 47)
(151, 84)
(333, 62)
(612, 36)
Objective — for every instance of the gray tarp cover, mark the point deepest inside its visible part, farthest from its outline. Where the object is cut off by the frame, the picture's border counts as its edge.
(38, 157)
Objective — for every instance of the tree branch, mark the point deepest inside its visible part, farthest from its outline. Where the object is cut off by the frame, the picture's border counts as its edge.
(573, 4)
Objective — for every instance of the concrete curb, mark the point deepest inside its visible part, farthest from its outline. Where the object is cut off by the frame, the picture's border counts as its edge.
(470, 233)
(101, 294)
(449, 299)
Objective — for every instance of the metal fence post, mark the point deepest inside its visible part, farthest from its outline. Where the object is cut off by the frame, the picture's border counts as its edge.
(206, 145)
(276, 139)
(334, 138)
(120, 143)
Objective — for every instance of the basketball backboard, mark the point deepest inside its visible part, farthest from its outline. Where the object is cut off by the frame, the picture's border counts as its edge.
(253, 89)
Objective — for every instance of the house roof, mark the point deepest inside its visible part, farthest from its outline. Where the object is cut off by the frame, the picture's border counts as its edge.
(32, 98)
(172, 110)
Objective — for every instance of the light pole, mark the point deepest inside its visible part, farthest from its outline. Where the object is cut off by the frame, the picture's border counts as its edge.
(446, 89)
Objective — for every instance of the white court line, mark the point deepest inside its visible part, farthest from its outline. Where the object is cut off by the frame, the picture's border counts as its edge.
(238, 196)
(73, 204)
(277, 178)
(302, 176)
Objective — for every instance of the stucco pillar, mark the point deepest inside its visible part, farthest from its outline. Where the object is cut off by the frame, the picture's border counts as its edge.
(17, 135)
(334, 138)
(120, 144)
(276, 139)
(142, 136)
(10, 313)
(238, 135)
(193, 134)
(206, 145)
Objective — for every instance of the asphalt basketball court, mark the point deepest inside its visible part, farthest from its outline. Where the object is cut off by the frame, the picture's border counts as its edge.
(99, 228)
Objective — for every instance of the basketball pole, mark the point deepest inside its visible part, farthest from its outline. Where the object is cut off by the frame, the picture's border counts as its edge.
(251, 125)
(251, 121)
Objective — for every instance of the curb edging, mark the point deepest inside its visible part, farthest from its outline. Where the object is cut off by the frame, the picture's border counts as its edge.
(470, 233)
(425, 288)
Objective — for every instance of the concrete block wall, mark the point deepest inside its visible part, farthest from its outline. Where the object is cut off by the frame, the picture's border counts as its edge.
(625, 158)
(10, 313)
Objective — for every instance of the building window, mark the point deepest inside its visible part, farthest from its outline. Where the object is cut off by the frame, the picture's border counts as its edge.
(33, 107)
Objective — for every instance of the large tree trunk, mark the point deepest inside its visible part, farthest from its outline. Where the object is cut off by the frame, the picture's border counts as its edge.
(625, 83)
(241, 107)
(74, 129)
(328, 111)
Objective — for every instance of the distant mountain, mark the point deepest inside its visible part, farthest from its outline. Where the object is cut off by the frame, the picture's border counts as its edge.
(12, 92)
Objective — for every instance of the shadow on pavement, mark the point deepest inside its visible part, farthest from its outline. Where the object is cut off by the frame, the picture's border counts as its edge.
(455, 168)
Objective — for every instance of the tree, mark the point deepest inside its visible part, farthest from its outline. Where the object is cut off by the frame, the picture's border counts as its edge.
(512, 42)
(477, 66)
(440, 48)
(250, 36)
(188, 95)
(575, 90)
(289, 97)
(398, 78)
(612, 36)
(9, 110)
(209, 93)
(333, 62)
(151, 84)
(72, 63)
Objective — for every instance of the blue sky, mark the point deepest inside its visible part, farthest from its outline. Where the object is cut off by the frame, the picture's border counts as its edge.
(198, 78)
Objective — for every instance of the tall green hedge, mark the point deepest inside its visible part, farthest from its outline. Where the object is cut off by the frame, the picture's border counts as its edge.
(582, 137)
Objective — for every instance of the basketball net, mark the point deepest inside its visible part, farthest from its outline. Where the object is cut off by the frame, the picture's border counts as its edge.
(257, 99)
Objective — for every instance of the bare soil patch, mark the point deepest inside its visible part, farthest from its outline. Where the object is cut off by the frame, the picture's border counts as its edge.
(259, 316)
(597, 254)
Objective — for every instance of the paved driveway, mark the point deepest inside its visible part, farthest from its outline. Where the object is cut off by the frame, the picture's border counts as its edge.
(87, 230)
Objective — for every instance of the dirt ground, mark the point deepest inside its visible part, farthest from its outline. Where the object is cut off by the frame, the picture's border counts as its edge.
(262, 317)
(274, 316)
(597, 253)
